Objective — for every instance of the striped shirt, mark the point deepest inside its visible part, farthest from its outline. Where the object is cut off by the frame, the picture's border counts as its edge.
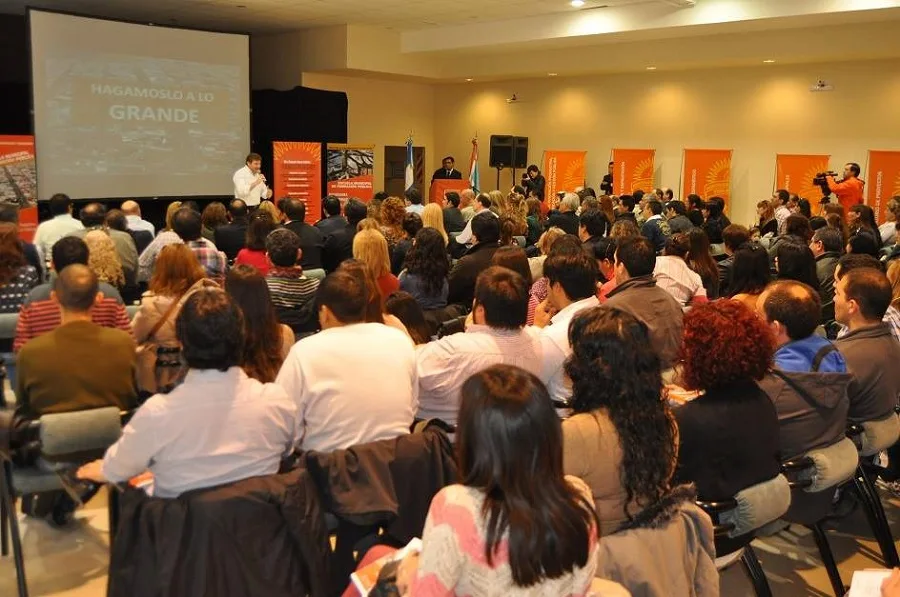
(42, 316)
(289, 288)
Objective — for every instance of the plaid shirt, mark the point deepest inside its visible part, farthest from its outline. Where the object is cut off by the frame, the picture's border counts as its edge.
(212, 259)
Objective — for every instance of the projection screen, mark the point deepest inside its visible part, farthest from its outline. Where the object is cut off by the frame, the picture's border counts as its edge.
(124, 110)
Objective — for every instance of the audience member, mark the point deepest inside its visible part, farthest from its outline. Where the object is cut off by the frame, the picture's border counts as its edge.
(850, 262)
(572, 287)
(333, 220)
(780, 208)
(370, 247)
(768, 225)
(93, 217)
(338, 410)
(514, 258)
(9, 212)
(695, 211)
(864, 242)
(485, 236)
(254, 252)
(467, 204)
(605, 256)
(750, 274)
(339, 245)
(700, 260)
(888, 230)
(861, 298)
(733, 236)
(117, 220)
(289, 289)
(393, 212)
(412, 223)
(170, 213)
(534, 219)
(728, 435)
(592, 226)
(826, 248)
(404, 307)
(481, 204)
(566, 217)
(794, 261)
(797, 231)
(453, 217)
(624, 228)
(514, 524)
(187, 224)
(425, 273)
(716, 221)
(543, 244)
(17, 278)
(621, 437)
(59, 225)
(494, 335)
(673, 275)
(636, 293)
(231, 237)
(132, 211)
(432, 217)
(311, 239)
(655, 228)
(103, 260)
(375, 301)
(51, 380)
(676, 218)
(414, 197)
(218, 427)
(267, 207)
(540, 288)
(266, 342)
(862, 217)
(213, 216)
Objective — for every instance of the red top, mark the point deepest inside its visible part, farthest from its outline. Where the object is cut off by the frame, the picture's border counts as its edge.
(255, 258)
(387, 284)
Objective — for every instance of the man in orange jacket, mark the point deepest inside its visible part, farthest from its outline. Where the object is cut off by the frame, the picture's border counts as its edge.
(850, 190)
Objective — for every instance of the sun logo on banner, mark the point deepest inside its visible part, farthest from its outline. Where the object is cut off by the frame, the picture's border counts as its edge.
(896, 191)
(285, 147)
(805, 188)
(718, 179)
(642, 177)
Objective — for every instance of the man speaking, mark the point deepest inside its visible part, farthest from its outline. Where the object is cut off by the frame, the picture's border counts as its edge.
(850, 190)
(249, 183)
(448, 172)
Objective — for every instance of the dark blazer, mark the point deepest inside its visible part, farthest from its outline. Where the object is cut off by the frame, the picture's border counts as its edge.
(729, 441)
(465, 273)
(231, 238)
(338, 247)
(142, 239)
(331, 224)
(441, 174)
(453, 220)
(261, 536)
(538, 184)
(607, 185)
(568, 221)
(311, 243)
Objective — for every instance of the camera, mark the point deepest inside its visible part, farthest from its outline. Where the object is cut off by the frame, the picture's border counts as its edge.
(820, 180)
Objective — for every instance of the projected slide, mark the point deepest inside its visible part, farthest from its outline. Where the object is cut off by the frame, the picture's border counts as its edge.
(150, 118)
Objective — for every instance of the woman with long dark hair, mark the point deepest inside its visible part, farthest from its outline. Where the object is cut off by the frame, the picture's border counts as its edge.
(750, 274)
(404, 307)
(254, 253)
(621, 438)
(796, 262)
(700, 260)
(862, 217)
(426, 270)
(514, 523)
(514, 258)
(266, 342)
(17, 278)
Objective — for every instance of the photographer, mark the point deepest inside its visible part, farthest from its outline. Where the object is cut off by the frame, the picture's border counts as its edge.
(534, 182)
(849, 191)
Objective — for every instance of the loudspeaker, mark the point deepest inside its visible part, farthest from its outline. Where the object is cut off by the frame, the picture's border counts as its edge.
(520, 152)
(501, 151)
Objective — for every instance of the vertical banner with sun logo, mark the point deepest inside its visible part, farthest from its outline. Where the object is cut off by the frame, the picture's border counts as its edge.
(632, 169)
(796, 172)
(564, 171)
(707, 172)
(297, 166)
(884, 180)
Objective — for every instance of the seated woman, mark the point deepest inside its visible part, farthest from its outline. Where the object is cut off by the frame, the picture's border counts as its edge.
(566, 244)
(621, 437)
(103, 259)
(425, 273)
(673, 274)
(514, 524)
(218, 427)
(254, 253)
(17, 278)
(370, 247)
(729, 435)
(404, 307)
(750, 274)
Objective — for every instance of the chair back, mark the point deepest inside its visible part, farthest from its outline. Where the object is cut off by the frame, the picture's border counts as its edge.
(314, 274)
(79, 434)
(822, 469)
(874, 436)
(757, 506)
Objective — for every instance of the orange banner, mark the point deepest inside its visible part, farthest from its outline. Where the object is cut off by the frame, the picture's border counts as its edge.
(884, 180)
(632, 170)
(564, 172)
(796, 172)
(350, 171)
(297, 166)
(18, 180)
(706, 172)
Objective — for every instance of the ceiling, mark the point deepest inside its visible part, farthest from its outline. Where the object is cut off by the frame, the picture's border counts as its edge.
(271, 16)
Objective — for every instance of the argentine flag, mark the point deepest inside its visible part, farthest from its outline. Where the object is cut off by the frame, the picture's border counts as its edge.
(410, 170)
(474, 181)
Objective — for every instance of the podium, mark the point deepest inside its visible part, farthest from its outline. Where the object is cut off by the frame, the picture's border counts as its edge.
(441, 186)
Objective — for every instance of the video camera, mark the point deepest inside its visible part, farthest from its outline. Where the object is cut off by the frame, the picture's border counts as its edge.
(820, 180)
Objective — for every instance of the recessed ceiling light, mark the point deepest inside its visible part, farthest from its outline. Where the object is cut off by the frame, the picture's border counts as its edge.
(577, 3)
(651, 68)
(241, 6)
(769, 61)
(468, 80)
(552, 74)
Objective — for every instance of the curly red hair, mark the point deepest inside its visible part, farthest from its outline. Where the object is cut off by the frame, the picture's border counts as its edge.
(724, 342)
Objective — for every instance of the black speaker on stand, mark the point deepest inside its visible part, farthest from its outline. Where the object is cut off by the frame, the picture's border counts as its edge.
(519, 155)
(501, 153)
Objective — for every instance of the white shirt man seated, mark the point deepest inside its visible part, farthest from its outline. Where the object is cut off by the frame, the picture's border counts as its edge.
(217, 427)
(132, 211)
(494, 335)
(250, 183)
(353, 382)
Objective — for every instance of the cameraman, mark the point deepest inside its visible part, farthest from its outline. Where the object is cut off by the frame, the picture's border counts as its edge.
(850, 190)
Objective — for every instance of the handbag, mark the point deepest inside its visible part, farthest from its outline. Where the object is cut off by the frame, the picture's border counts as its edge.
(149, 354)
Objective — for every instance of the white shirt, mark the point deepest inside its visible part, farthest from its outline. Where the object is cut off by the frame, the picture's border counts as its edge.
(217, 427)
(781, 215)
(555, 347)
(444, 365)
(465, 236)
(352, 384)
(243, 178)
(136, 223)
(674, 276)
(50, 231)
(415, 209)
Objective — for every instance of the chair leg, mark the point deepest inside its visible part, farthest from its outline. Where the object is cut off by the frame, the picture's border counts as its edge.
(834, 574)
(10, 504)
(757, 576)
(113, 510)
(4, 517)
(877, 519)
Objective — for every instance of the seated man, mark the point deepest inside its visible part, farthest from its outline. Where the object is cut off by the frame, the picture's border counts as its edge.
(733, 236)
(333, 220)
(485, 236)
(289, 289)
(453, 217)
(217, 427)
(353, 382)
(339, 245)
(592, 226)
(311, 238)
(655, 227)
(853, 261)
(41, 314)
(188, 225)
(861, 298)
(50, 376)
(495, 335)
(93, 217)
(826, 245)
(636, 292)
(232, 237)
(572, 287)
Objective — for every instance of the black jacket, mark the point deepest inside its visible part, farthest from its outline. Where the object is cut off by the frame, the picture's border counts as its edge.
(338, 247)
(568, 221)
(606, 187)
(453, 220)
(261, 536)
(231, 238)
(142, 239)
(465, 273)
(537, 185)
(331, 224)
(311, 243)
(441, 174)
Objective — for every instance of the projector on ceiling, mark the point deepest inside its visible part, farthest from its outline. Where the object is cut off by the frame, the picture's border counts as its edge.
(821, 85)
(680, 3)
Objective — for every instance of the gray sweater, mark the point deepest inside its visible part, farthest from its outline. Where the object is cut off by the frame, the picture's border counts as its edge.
(872, 355)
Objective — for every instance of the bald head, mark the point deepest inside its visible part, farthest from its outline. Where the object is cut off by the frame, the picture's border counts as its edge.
(466, 197)
(93, 214)
(76, 289)
(791, 308)
(131, 208)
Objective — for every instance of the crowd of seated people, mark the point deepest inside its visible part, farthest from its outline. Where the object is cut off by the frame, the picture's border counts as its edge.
(264, 332)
